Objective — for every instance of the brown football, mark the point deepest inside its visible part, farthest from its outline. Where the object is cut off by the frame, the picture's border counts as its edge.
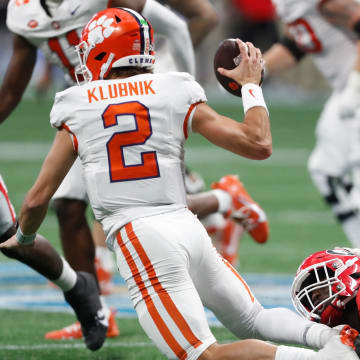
(228, 57)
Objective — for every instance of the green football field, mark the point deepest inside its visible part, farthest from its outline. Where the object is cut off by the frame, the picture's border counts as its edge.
(300, 222)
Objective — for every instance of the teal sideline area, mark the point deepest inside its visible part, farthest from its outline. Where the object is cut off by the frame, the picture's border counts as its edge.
(22, 288)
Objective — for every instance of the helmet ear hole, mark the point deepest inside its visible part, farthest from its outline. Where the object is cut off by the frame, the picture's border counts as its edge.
(100, 56)
(117, 19)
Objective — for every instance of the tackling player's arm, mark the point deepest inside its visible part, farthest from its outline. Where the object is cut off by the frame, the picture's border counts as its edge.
(18, 75)
(252, 137)
(56, 165)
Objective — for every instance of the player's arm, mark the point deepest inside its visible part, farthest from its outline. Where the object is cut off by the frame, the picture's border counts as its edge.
(56, 165)
(168, 24)
(201, 15)
(171, 26)
(282, 56)
(18, 75)
(136, 5)
(252, 137)
(346, 13)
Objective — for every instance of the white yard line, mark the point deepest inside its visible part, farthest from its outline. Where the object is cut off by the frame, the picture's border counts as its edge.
(79, 346)
(72, 346)
(20, 151)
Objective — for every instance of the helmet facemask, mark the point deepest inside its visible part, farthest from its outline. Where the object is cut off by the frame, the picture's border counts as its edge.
(82, 72)
(317, 278)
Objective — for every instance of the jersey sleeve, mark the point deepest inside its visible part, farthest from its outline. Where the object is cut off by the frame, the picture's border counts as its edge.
(14, 11)
(194, 89)
(194, 95)
(59, 113)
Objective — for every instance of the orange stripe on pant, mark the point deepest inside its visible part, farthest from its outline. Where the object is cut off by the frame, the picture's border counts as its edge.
(240, 278)
(163, 294)
(159, 322)
(11, 210)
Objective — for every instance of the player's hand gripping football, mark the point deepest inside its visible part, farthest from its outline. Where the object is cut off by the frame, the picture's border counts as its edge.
(250, 66)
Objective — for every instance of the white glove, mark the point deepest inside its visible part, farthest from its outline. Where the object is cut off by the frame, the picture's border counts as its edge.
(335, 350)
(349, 101)
(318, 335)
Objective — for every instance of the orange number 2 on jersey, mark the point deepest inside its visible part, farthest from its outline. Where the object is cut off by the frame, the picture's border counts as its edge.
(148, 168)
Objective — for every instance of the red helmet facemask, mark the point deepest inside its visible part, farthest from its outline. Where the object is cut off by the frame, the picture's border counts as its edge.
(115, 37)
(335, 274)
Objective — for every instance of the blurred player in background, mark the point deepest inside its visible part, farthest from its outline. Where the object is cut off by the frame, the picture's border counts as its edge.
(79, 288)
(235, 214)
(201, 17)
(253, 21)
(329, 32)
(326, 287)
(163, 251)
(54, 26)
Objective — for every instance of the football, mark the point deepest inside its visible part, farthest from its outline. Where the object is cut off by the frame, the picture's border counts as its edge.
(227, 56)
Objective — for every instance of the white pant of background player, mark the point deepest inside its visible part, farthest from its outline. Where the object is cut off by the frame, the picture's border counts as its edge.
(7, 212)
(334, 166)
(172, 270)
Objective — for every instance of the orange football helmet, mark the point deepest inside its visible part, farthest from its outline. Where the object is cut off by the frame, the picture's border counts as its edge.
(114, 37)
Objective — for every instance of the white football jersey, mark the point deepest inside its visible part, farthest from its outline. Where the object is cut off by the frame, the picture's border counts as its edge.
(333, 48)
(130, 135)
(54, 35)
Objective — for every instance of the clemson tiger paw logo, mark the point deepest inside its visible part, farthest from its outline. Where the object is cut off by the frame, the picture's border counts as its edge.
(99, 30)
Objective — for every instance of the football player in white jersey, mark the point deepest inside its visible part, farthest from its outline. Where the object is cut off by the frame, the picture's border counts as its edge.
(128, 127)
(329, 32)
(54, 27)
(80, 288)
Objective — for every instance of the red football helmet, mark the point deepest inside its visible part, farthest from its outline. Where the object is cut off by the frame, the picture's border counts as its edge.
(324, 283)
(114, 37)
